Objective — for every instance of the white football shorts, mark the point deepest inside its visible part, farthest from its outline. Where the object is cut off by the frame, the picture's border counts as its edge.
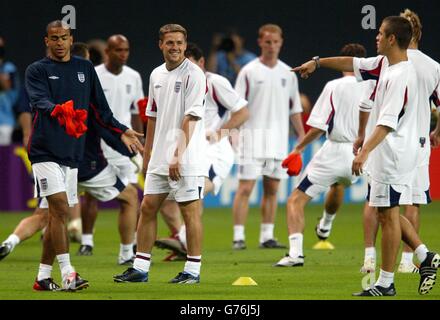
(51, 178)
(420, 187)
(331, 164)
(186, 189)
(251, 169)
(106, 185)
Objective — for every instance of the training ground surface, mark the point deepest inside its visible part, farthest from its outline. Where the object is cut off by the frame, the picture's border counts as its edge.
(325, 275)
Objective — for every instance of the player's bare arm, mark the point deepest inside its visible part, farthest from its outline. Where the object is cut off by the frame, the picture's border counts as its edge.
(379, 134)
(363, 120)
(236, 120)
(148, 148)
(296, 120)
(335, 63)
(188, 125)
(311, 135)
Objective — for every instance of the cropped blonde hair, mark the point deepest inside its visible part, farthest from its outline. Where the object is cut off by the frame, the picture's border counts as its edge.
(171, 27)
(416, 25)
(273, 28)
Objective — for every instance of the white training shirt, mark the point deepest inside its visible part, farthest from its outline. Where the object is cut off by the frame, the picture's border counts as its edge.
(172, 95)
(395, 105)
(221, 99)
(428, 84)
(122, 91)
(272, 95)
(337, 109)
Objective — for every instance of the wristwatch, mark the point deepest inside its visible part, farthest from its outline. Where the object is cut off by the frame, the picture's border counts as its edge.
(316, 59)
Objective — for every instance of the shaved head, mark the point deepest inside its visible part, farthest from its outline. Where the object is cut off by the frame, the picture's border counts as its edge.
(57, 24)
(115, 40)
(118, 51)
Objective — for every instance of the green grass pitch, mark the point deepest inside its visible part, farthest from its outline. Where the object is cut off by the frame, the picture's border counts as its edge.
(325, 275)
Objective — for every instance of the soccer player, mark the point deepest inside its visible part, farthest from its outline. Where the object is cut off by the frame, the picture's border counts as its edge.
(336, 113)
(391, 149)
(272, 92)
(123, 89)
(174, 154)
(61, 90)
(225, 111)
(95, 176)
(428, 74)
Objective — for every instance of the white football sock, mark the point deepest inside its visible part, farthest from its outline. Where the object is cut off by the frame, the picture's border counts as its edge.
(370, 252)
(296, 245)
(44, 272)
(326, 220)
(87, 239)
(421, 252)
(142, 261)
(407, 258)
(125, 251)
(385, 279)
(64, 262)
(239, 232)
(13, 240)
(193, 265)
(266, 232)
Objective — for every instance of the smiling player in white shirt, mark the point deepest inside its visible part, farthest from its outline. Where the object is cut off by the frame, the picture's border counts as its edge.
(174, 154)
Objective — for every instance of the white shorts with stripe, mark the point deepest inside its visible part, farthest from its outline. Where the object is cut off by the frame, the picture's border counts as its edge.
(388, 195)
(331, 164)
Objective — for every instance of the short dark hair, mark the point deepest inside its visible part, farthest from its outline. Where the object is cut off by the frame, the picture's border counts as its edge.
(57, 24)
(79, 49)
(194, 51)
(400, 28)
(353, 50)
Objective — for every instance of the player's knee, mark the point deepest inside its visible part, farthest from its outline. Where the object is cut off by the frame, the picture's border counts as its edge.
(296, 199)
(148, 208)
(244, 191)
(43, 217)
(270, 192)
(129, 195)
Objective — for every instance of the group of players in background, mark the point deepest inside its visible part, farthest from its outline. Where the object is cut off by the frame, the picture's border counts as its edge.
(376, 119)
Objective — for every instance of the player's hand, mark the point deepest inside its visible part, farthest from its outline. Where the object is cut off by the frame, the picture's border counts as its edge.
(26, 137)
(435, 138)
(174, 170)
(358, 163)
(306, 69)
(357, 145)
(131, 141)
